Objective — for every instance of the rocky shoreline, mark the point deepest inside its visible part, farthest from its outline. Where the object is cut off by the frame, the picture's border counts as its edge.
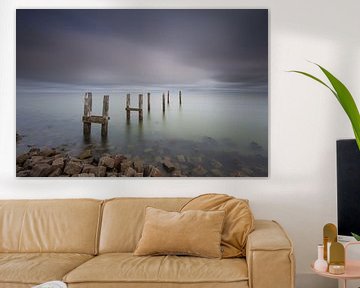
(52, 163)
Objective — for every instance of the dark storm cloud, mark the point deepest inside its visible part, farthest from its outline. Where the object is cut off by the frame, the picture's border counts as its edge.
(142, 46)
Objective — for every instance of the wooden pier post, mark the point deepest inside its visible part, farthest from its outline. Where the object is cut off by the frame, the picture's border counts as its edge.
(148, 100)
(141, 115)
(180, 97)
(105, 114)
(127, 106)
(163, 102)
(87, 112)
(168, 97)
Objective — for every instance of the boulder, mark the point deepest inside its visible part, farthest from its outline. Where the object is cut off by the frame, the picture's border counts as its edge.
(139, 166)
(88, 168)
(125, 165)
(119, 158)
(58, 163)
(199, 171)
(22, 158)
(130, 172)
(217, 172)
(86, 175)
(176, 173)
(85, 154)
(112, 174)
(56, 173)
(36, 159)
(168, 165)
(73, 168)
(47, 152)
(24, 173)
(107, 161)
(40, 170)
(152, 171)
(101, 171)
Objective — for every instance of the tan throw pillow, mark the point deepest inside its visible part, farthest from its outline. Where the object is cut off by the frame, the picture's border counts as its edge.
(239, 220)
(196, 233)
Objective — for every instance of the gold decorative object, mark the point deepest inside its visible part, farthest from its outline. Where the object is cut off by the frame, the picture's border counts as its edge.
(337, 258)
(330, 236)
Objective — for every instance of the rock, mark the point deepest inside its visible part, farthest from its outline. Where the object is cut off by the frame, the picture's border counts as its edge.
(73, 168)
(34, 151)
(247, 171)
(125, 165)
(168, 165)
(86, 175)
(119, 158)
(112, 174)
(139, 175)
(36, 159)
(107, 162)
(217, 172)
(22, 158)
(47, 152)
(216, 164)
(56, 173)
(87, 168)
(139, 166)
(58, 163)
(181, 158)
(176, 173)
(152, 171)
(130, 172)
(85, 154)
(46, 161)
(19, 168)
(40, 170)
(101, 171)
(199, 171)
(28, 164)
(24, 173)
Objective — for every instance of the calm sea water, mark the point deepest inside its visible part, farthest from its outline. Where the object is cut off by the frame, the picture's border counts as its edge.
(229, 126)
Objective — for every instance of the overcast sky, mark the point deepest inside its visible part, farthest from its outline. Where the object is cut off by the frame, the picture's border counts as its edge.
(143, 47)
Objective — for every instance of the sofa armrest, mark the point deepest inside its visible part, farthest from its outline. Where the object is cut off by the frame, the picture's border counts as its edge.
(269, 256)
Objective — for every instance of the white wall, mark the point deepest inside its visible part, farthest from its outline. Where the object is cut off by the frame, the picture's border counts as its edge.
(305, 120)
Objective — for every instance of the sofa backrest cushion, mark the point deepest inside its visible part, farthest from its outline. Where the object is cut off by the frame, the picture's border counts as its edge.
(123, 220)
(64, 226)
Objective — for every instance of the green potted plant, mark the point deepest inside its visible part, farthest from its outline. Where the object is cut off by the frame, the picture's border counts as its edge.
(345, 99)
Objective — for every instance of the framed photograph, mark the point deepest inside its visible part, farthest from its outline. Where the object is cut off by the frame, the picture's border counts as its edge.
(142, 93)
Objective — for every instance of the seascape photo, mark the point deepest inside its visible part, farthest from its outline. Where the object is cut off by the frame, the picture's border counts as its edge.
(142, 93)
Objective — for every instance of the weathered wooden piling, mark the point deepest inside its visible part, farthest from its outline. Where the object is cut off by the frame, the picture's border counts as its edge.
(139, 109)
(141, 115)
(148, 101)
(88, 118)
(127, 106)
(87, 113)
(180, 102)
(105, 115)
(168, 97)
(163, 102)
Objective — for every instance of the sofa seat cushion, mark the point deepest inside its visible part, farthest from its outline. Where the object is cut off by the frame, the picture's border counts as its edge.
(36, 268)
(127, 268)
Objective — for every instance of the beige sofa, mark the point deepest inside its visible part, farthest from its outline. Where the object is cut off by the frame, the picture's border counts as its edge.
(89, 243)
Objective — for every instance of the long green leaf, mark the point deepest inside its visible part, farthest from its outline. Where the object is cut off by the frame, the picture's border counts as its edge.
(357, 237)
(344, 97)
(347, 102)
(316, 79)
